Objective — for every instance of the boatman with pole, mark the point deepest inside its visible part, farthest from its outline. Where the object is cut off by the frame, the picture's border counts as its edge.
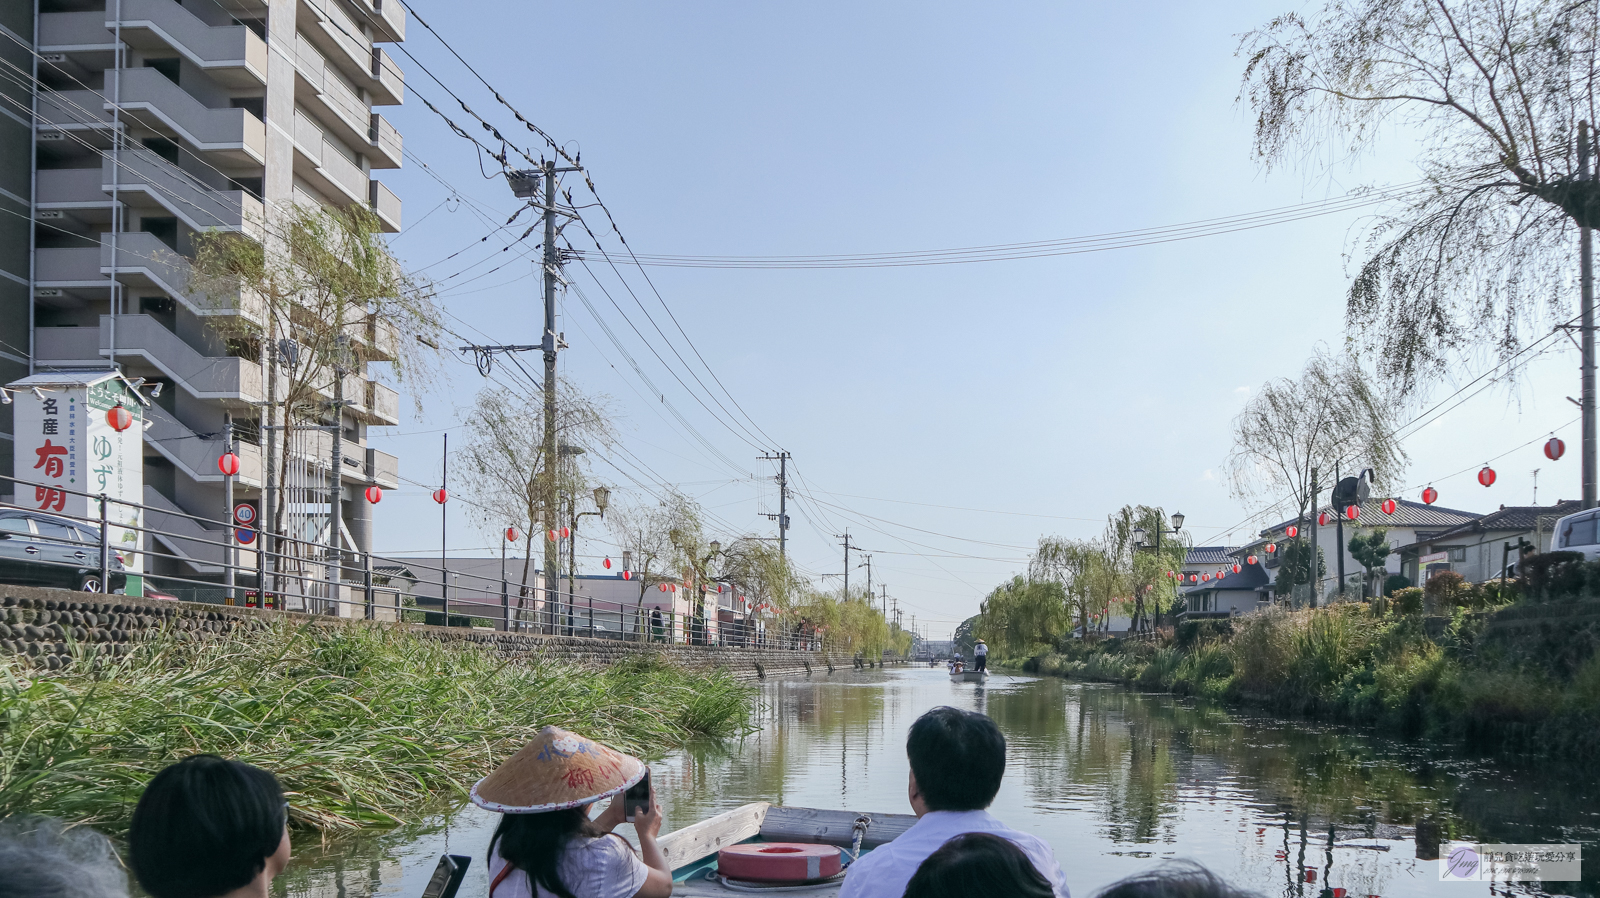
(980, 656)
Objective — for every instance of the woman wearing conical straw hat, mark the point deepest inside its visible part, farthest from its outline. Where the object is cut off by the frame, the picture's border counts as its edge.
(546, 846)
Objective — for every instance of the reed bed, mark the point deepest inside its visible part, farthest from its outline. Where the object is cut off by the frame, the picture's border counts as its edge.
(1355, 663)
(364, 726)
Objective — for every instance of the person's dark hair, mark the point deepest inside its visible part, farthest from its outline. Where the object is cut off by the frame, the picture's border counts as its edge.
(1180, 879)
(534, 843)
(204, 827)
(978, 864)
(958, 758)
(42, 859)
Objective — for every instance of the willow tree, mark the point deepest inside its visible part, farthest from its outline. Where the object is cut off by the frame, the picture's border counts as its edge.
(757, 570)
(1075, 565)
(653, 533)
(503, 463)
(1292, 430)
(1479, 256)
(320, 297)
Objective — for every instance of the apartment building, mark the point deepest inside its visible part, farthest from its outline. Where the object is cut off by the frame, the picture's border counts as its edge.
(226, 109)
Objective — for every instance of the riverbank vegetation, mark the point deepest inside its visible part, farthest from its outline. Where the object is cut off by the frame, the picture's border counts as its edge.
(1455, 678)
(364, 726)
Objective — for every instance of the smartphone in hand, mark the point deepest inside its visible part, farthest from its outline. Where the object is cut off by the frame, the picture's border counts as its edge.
(447, 876)
(637, 798)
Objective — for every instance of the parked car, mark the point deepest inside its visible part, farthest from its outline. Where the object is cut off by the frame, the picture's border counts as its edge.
(1576, 533)
(38, 549)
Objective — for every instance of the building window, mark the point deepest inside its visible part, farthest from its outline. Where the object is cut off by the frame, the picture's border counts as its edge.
(1458, 553)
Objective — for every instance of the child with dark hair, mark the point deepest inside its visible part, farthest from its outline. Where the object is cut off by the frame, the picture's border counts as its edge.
(978, 864)
(208, 827)
(40, 858)
(1180, 879)
(957, 761)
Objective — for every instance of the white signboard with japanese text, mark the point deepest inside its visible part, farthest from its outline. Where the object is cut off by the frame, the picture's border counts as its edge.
(66, 448)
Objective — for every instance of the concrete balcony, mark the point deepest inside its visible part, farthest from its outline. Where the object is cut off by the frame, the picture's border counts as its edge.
(75, 32)
(143, 336)
(388, 86)
(324, 166)
(185, 196)
(194, 455)
(340, 111)
(71, 189)
(204, 377)
(379, 337)
(385, 141)
(338, 36)
(386, 205)
(68, 347)
(387, 17)
(361, 464)
(77, 268)
(231, 54)
(149, 97)
(75, 110)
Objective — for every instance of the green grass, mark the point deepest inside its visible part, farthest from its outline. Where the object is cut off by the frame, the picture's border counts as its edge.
(363, 726)
(1353, 663)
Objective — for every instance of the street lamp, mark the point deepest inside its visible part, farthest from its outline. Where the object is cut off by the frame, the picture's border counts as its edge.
(1139, 534)
(602, 499)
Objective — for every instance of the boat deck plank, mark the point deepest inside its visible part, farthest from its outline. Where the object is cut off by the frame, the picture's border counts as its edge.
(710, 836)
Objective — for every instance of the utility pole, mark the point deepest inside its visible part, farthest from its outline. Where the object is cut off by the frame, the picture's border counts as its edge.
(1315, 575)
(782, 458)
(847, 548)
(336, 479)
(1586, 278)
(1338, 516)
(885, 591)
(868, 565)
(526, 184)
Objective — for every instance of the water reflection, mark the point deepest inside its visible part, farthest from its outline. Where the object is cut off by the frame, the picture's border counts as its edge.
(1114, 780)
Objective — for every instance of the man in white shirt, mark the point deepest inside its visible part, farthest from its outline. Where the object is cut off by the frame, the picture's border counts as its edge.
(957, 760)
(980, 656)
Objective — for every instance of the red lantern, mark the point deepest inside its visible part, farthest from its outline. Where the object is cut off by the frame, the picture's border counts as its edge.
(661, 586)
(1193, 579)
(607, 563)
(1486, 476)
(566, 533)
(1322, 519)
(1250, 560)
(1236, 567)
(1169, 575)
(374, 494)
(511, 534)
(1353, 512)
(441, 495)
(1272, 547)
(1554, 449)
(1430, 496)
(1206, 577)
(1292, 531)
(1389, 505)
(119, 418)
(227, 463)
(551, 534)
(719, 589)
(627, 575)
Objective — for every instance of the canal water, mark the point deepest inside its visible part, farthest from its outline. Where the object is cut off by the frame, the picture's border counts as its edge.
(1116, 781)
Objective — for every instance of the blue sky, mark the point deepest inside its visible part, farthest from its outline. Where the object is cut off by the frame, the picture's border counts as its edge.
(1020, 397)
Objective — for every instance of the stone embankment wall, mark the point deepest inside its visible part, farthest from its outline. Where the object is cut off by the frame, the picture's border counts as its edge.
(42, 625)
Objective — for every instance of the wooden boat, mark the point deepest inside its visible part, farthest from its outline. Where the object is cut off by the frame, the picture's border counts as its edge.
(970, 676)
(692, 851)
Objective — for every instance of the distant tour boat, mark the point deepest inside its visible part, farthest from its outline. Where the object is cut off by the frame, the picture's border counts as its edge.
(970, 676)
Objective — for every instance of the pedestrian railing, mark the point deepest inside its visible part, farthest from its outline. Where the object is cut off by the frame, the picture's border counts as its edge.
(282, 572)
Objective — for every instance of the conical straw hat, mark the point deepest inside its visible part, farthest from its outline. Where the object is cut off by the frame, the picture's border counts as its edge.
(556, 771)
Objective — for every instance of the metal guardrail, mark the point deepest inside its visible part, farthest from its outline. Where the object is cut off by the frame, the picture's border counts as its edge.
(304, 576)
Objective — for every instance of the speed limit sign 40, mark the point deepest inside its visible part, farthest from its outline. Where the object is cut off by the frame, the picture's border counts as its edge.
(244, 514)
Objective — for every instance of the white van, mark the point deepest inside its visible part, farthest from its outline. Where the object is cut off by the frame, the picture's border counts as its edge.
(1576, 533)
